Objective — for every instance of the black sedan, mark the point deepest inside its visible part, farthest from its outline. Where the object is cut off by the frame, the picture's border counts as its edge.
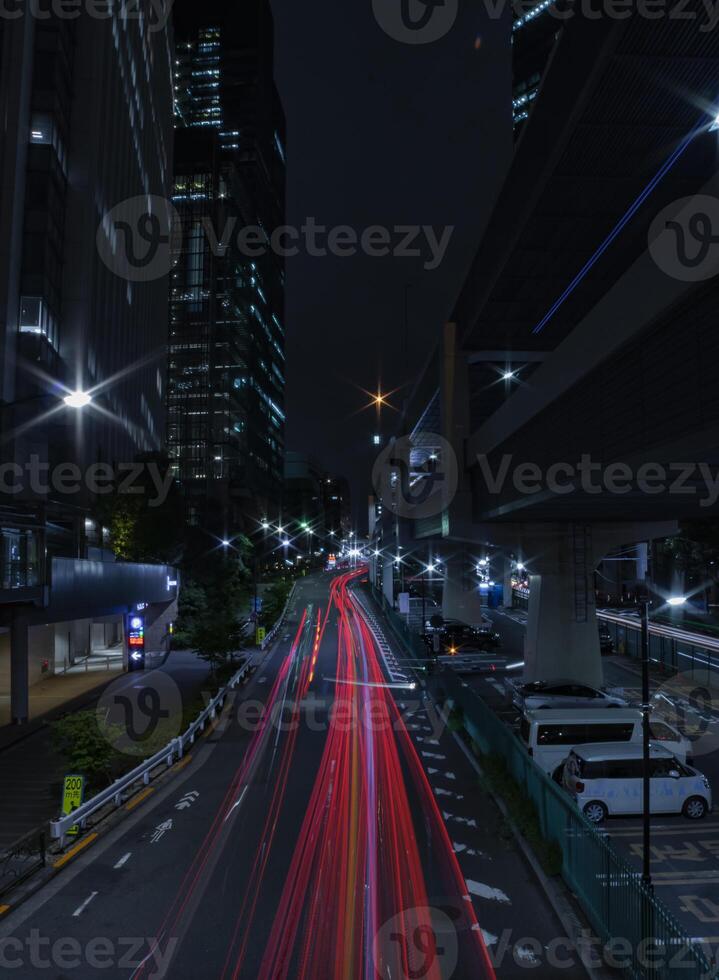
(456, 638)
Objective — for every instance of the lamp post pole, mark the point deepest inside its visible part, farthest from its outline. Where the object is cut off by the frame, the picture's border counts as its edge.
(646, 735)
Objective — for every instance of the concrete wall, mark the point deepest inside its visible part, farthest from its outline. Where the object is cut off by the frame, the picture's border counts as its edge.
(41, 643)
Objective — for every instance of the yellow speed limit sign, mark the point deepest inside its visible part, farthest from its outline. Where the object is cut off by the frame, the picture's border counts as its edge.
(73, 790)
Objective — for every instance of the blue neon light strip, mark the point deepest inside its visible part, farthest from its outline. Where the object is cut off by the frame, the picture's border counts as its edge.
(614, 234)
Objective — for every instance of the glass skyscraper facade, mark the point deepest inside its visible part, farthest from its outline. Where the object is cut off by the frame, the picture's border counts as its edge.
(226, 347)
(535, 31)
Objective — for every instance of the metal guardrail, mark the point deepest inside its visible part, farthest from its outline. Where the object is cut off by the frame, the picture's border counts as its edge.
(166, 756)
(276, 628)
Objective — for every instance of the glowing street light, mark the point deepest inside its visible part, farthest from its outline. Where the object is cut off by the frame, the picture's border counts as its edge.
(77, 399)
(225, 543)
(676, 600)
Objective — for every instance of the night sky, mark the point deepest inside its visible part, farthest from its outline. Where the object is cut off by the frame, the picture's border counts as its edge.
(378, 132)
(386, 133)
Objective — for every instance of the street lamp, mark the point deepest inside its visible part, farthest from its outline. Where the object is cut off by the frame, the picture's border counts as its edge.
(77, 399)
(645, 602)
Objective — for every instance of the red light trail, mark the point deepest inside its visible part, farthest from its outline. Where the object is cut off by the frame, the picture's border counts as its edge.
(355, 901)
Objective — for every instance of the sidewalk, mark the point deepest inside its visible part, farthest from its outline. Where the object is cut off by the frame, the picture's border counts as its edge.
(55, 693)
(31, 771)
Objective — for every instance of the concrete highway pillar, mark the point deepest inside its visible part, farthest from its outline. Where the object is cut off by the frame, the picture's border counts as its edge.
(388, 580)
(460, 595)
(562, 639)
(19, 669)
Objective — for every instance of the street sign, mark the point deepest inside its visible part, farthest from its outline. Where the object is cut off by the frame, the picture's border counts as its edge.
(135, 642)
(73, 790)
(260, 635)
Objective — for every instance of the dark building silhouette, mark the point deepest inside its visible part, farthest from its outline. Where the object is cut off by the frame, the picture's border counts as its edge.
(226, 349)
(86, 104)
(535, 31)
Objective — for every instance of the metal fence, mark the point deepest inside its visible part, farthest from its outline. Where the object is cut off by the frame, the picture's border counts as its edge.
(610, 891)
(671, 649)
(278, 625)
(21, 859)
(413, 642)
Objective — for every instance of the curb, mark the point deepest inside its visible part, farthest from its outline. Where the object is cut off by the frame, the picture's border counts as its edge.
(557, 894)
(57, 861)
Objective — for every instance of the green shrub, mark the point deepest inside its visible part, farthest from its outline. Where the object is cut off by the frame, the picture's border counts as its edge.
(523, 812)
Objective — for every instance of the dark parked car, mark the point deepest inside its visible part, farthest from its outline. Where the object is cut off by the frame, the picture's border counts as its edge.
(606, 642)
(457, 638)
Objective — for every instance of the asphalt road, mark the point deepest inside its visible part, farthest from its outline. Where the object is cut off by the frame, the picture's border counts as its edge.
(684, 854)
(331, 827)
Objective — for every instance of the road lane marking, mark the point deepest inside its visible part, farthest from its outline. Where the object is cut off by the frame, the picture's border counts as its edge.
(123, 860)
(81, 845)
(438, 791)
(160, 831)
(187, 800)
(235, 805)
(486, 891)
(81, 908)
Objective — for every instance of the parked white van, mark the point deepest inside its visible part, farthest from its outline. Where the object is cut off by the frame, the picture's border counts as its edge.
(606, 780)
(549, 734)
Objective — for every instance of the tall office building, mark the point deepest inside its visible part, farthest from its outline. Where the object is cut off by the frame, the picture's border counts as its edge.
(86, 108)
(226, 353)
(535, 31)
(87, 111)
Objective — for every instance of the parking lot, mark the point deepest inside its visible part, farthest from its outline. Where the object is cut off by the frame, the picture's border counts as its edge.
(684, 854)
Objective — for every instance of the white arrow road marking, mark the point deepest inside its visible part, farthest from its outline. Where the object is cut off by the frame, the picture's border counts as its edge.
(123, 860)
(469, 851)
(464, 820)
(486, 891)
(489, 938)
(81, 908)
(187, 800)
(526, 954)
(449, 775)
(160, 831)
(434, 755)
(447, 792)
